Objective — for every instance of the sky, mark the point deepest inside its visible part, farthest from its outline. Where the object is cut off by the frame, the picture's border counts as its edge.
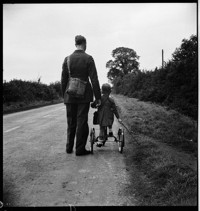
(37, 37)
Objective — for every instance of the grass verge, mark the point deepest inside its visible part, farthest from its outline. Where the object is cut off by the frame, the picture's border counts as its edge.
(166, 158)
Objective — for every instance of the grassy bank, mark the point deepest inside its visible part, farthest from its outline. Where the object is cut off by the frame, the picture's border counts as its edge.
(165, 162)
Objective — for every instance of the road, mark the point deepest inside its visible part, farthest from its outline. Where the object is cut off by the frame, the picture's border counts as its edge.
(38, 172)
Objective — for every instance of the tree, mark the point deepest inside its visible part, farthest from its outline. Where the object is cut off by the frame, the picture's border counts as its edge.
(175, 85)
(125, 61)
(182, 77)
(187, 50)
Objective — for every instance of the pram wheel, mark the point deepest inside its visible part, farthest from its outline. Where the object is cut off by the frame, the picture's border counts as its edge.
(121, 139)
(92, 139)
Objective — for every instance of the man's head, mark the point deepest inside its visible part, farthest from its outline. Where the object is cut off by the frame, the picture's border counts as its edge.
(106, 88)
(80, 42)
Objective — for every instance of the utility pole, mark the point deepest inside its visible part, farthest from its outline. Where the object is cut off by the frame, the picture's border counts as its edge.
(162, 58)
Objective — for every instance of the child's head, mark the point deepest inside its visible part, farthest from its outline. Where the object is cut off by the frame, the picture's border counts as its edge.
(106, 88)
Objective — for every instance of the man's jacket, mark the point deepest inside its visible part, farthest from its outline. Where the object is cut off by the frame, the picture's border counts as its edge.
(81, 66)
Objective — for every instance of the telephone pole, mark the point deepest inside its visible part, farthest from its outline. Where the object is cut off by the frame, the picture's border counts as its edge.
(162, 58)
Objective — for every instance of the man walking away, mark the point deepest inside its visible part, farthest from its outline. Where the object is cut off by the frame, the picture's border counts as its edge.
(82, 66)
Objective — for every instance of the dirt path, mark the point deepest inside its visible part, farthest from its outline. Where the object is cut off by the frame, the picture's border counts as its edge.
(38, 172)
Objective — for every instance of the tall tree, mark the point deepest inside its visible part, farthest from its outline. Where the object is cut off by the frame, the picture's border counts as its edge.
(125, 61)
(187, 50)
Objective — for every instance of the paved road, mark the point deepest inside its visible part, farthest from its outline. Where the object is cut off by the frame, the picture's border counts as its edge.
(38, 172)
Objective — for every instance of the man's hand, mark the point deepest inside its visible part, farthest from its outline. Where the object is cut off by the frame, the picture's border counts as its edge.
(98, 103)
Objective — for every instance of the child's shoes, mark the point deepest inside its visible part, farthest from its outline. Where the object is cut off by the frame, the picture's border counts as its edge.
(100, 143)
(110, 134)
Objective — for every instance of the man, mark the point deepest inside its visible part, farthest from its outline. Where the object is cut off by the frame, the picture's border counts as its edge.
(81, 66)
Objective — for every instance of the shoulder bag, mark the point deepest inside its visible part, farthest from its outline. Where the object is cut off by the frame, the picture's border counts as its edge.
(76, 87)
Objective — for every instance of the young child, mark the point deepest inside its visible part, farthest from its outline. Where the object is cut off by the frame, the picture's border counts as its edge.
(106, 112)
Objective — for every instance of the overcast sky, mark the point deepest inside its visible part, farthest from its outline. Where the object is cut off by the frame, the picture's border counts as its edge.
(37, 37)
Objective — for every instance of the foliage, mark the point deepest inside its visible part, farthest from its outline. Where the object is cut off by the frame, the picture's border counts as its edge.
(57, 87)
(29, 91)
(187, 50)
(175, 85)
(125, 61)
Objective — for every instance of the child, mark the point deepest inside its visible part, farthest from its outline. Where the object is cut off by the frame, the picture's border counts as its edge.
(106, 112)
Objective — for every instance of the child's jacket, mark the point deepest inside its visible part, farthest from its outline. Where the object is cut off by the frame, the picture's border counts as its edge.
(106, 111)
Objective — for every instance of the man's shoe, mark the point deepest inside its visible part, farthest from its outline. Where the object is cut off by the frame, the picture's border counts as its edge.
(110, 134)
(85, 152)
(69, 151)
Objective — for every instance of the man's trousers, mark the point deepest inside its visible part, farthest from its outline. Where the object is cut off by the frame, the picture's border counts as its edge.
(77, 125)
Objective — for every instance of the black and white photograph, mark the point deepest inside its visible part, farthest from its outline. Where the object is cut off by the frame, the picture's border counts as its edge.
(100, 105)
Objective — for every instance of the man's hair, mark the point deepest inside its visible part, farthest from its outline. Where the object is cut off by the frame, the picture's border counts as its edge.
(80, 40)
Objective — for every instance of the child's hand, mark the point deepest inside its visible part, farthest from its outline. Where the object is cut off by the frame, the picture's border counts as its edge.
(93, 105)
(98, 103)
(119, 120)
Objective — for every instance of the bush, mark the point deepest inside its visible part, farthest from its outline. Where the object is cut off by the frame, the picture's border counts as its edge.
(28, 91)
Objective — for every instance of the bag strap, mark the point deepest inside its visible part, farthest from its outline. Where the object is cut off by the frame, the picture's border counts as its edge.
(68, 64)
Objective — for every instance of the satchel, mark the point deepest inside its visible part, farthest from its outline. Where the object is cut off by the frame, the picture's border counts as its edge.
(95, 118)
(76, 87)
